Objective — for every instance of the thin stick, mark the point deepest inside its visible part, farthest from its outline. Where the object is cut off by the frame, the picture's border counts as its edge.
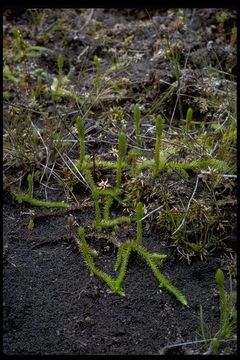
(82, 180)
(225, 176)
(188, 206)
(46, 148)
(151, 212)
(195, 342)
(87, 21)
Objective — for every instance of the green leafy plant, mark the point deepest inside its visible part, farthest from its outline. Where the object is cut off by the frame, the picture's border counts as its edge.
(188, 119)
(8, 75)
(139, 215)
(228, 313)
(228, 317)
(95, 196)
(22, 197)
(22, 48)
(137, 124)
(88, 254)
(123, 255)
(153, 262)
(81, 133)
(122, 145)
(97, 67)
(159, 129)
(60, 71)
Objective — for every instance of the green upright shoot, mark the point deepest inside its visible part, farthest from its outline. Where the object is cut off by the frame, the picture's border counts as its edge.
(139, 215)
(122, 145)
(97, 66)
(159, 129)
(81, 133)
(137, 124)
(188, 119)
(30, 186)
(95, 195)
(107, 205)
(60, 71)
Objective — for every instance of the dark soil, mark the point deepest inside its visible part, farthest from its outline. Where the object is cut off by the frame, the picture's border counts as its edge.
(51, 304)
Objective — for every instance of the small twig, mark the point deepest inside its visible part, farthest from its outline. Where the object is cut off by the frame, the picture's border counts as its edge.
(46, 148)
(45, 189)
(54, 173)
(194, 342)
(88, 20)
(225, 176)
(82, 180)
(188, 206)
(23, 106)
(151, 212)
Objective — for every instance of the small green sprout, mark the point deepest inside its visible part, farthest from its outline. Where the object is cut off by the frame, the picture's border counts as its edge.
(60, 70)
(97, 66)
(122, 145)
(95, 196)
(108, 203)
(139, 215)
(188, 119)
(30, 185)
(81, 133)
(123, 255)
(137, 124)
(228, 315)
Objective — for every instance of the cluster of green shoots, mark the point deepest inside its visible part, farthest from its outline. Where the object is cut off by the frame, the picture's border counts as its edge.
(57, 87)
(103, 220)
(126, 161)
(22, 49)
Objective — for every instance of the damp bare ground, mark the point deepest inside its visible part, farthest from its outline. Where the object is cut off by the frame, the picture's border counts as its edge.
(52, 305)
(166, 60)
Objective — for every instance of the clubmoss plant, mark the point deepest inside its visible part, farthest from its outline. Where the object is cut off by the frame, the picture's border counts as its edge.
(22, 48)
(123, 259)
(97, 67)
(159, 129)
(228, 317)
(30, 185)
(8, 75)
(25, 198)
(95, 196)
(132, 160)
(139, 215)
(122, 145)
(114, 222)
(37, 91)
(136, 116)
(60, 71)
(107, 205)
(22, 197)
(124, 252)
(88, 254)
(188, 119)
(20, 44)
(81, 133)
(228, 313)
(153, 262)
(200, 164)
